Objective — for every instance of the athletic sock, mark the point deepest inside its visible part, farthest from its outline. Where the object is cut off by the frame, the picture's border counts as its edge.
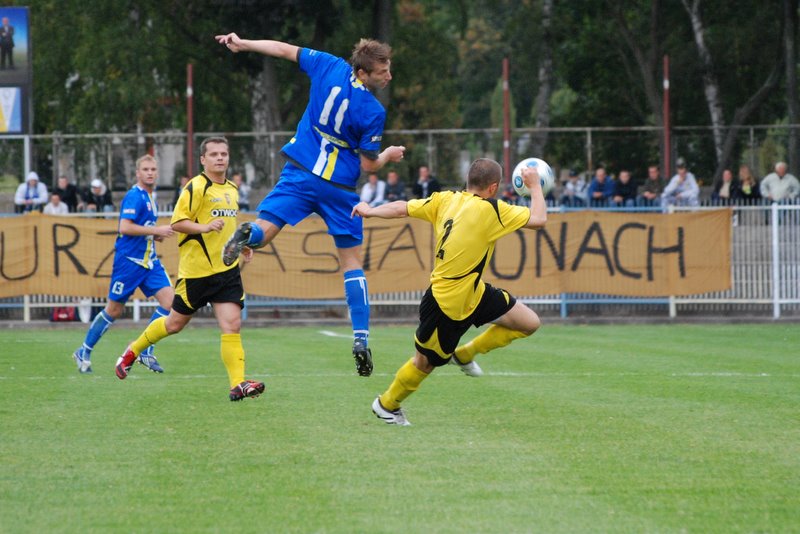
(494, 337)
(159, 312)
(233, 357)
(355, 291)
(256, 236)
(102, 321)
(406, 382)
(155, 332)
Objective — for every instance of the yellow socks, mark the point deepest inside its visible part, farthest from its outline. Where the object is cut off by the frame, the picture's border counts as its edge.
(155, 332)
(233, 357)
(406, 382)
(494, 337)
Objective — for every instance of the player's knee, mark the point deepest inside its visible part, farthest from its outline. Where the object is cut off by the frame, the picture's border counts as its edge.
(531, 325)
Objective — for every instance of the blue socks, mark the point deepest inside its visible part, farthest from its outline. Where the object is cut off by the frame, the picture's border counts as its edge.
(355, 291)
(160, 312)
(96, 330)
(256, 236)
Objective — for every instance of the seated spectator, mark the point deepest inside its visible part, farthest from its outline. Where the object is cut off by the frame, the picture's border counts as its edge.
(373, 192)
(55, 206)
(244, 191)
(652, 188)
(682, 189)
(574, 193)
(31, 195)
(395, 190)
(624, 191)
(98, 198)
(426, 184)
(748, 186)
(68, 193)
(726, 190)
(780, 186)
(601, 189)
(510, 195)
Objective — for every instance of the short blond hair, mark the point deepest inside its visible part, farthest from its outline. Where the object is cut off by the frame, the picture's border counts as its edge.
(146, 157)
(367, 53)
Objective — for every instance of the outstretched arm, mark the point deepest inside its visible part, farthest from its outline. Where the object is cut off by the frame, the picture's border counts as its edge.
(235, 44)
(392, 210)
(530, 176)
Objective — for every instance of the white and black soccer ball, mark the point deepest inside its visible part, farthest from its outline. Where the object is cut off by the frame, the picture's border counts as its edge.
(546, 176)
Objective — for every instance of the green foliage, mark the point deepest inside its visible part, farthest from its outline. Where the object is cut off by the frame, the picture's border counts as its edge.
(624, 428)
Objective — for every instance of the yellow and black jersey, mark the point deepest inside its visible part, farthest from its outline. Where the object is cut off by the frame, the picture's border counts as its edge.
(202, 201)
(466, 227)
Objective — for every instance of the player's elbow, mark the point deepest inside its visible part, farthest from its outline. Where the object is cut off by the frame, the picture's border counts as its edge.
(537, 220)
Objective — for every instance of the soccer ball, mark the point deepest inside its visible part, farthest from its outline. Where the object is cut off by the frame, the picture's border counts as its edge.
(546, 176)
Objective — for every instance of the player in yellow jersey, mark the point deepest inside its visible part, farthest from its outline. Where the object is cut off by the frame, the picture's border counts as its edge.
(205, 218)
(466, 225)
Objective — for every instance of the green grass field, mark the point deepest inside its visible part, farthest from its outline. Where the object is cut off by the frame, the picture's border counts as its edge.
(668, 428)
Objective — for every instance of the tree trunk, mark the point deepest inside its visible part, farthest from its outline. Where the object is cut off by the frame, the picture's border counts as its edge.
(542, 102)
(790, 62)
(710, 84)
(266, 118)
(382, 31)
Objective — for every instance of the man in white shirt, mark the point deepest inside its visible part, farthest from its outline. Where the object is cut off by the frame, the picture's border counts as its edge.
(55, 206)
(682, 189)
(374, 191)
(780, 185)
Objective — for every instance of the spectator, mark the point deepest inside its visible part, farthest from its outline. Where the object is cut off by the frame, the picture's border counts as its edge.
(682, 189)
(780, 185)
(574, 193)
(726, 190)
(183, 181)
(653, 187)
(68, 193)
(6, 45)
(31, 195)
(624, 191)
(244, 191)
(601, 189)
(426, 184)
(748, 186)
(395, 190)
(510, 195)
(374, 191)
(98, 198)
(55, 206)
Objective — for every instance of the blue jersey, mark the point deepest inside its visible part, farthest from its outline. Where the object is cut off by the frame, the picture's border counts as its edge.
(342, 119)
(139, 207)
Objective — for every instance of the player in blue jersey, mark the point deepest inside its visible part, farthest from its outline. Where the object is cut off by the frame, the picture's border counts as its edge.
(338, 136)
(135, 264)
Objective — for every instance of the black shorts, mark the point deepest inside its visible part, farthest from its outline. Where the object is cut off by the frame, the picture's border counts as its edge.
(438, 335)
(191, 294)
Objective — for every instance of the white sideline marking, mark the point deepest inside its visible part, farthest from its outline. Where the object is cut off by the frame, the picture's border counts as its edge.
(147, 375)
(335, 334)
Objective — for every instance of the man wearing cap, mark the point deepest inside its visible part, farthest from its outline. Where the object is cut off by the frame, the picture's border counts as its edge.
(682, 189)
(98, 197)
(31, 195)
(574, 193)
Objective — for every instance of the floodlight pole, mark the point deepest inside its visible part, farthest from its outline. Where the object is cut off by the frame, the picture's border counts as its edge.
(506, 123)
(189, 122)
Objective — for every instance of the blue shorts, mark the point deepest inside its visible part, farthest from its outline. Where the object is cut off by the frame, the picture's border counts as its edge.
(299, 193)
(127, 276)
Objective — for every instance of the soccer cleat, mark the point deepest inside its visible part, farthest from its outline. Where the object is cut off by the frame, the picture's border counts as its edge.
(124, 363)
(236, 243)
(363, 357)
(470, 369)
(390, 417)
(84, 365)
(149, 360)
(248, 388)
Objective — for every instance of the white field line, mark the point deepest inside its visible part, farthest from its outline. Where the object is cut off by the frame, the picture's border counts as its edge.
(498, 374)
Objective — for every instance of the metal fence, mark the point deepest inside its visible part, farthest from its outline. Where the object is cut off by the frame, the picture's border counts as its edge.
(448, 152)
(765, 267)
